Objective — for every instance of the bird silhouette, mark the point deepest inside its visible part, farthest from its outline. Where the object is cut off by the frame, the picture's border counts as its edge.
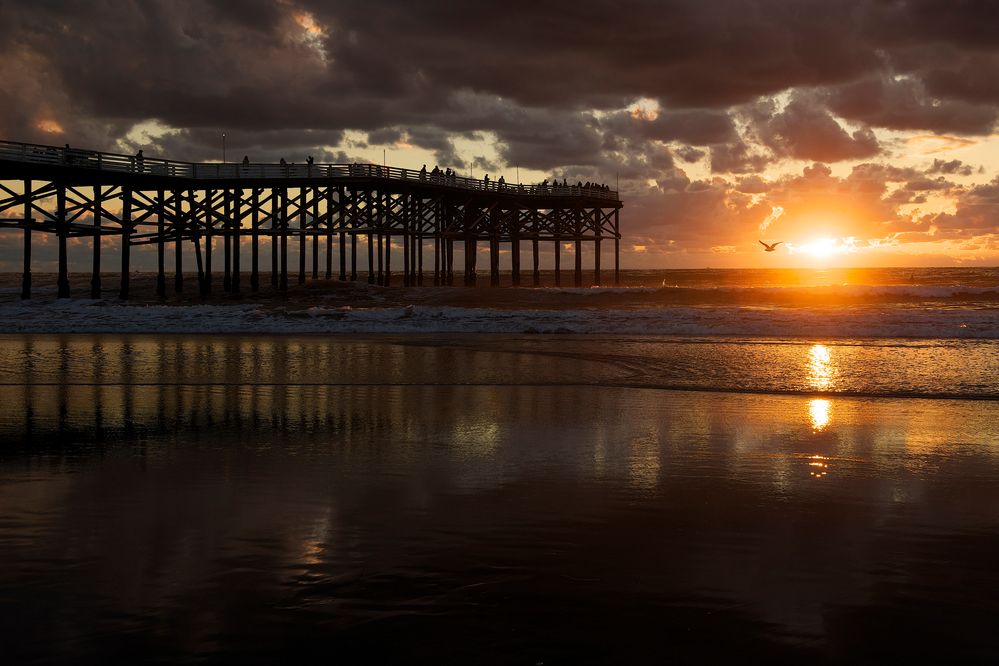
(771, 247)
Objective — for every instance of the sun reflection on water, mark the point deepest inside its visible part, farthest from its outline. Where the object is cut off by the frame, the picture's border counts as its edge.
(820, 368)
(819, 414)
(819, 466)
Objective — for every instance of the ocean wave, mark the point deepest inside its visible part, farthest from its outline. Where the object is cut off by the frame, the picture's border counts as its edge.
(750, 321)
(792, 293)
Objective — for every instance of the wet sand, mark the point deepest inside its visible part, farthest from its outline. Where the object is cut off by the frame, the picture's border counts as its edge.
(452, 501)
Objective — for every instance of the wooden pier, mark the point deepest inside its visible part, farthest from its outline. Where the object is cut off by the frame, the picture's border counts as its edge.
(352, 209)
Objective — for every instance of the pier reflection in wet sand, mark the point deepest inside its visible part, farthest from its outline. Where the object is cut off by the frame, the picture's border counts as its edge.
(149, 508)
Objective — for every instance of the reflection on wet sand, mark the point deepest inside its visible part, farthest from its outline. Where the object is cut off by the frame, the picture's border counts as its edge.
(237, 521)
(819, 410)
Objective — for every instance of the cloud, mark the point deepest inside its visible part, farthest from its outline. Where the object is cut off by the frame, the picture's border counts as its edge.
(741, 88)
(950, 168)
(775, 213)
(903, 103)
(805, 130)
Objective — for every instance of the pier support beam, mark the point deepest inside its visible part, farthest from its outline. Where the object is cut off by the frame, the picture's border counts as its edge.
(126, 241)
(255, 240)
(515, 258)
(206, 279)
(227, 240)
(329, 232)
(95, 268)
(494, 261)
(617, 254)
(26, 273)
(275, 229)
(596, 261)
(371, 258)
(536, 274)
(160, 248)
(62, 230)
(578, 272)
(178, 231)
(558, 262)
(284, 240)
(301, 235)
(387, 276)
(237, 224)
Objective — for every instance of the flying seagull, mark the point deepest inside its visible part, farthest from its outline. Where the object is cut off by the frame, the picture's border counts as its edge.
(772, 247)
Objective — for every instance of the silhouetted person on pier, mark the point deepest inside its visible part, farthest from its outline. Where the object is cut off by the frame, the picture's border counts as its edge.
(246, 161)
(139, 159)
(485, 181)
(423, 172)
(309, 160)
(501, 182)
(66, 156)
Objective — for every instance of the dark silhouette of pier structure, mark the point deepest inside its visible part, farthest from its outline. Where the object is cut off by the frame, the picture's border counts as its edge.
(71, 192)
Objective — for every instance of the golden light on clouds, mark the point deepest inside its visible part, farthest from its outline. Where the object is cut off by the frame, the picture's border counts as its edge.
(929, 144)
(49, 126)
(775, 213)
(308, 23)
(645, 109)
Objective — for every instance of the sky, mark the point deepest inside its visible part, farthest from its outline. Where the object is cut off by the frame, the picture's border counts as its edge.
(857, 133)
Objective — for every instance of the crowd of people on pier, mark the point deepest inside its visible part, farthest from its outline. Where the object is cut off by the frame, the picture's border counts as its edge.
(447, 176)
(450, 177)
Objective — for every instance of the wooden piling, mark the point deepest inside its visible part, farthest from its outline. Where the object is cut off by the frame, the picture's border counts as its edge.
(62, 230)
(160, 247)
(237, 228)
(301, 235)
(26, 272)
(536, 272)
(255, 240)
(178, 231)
(227, 240)
(126, 241)
(284, 240)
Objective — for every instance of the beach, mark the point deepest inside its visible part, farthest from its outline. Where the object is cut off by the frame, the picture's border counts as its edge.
(488, 498)
(802, 463)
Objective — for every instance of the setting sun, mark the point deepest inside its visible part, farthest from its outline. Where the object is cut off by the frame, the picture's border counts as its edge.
(823, 248)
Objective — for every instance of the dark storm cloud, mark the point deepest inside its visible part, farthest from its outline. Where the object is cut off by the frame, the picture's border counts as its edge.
(745, 84)
(737, 157)
(904, 104)
(253, 65)
(805, 130)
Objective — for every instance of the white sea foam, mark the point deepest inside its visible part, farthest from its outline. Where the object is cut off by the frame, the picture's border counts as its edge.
(896, 321)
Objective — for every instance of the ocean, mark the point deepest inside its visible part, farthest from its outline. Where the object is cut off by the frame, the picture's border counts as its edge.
(693, 466)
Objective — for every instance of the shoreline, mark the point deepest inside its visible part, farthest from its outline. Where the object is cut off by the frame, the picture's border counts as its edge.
(817, 370)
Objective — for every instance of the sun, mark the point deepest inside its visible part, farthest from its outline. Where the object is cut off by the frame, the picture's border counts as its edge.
(823, 248)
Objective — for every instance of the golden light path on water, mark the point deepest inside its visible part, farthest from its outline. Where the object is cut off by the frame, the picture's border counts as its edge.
(820, 368)
(821, 372)
(819, 411)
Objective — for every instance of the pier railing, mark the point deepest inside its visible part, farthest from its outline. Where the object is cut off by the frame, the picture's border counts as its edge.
(114, 162)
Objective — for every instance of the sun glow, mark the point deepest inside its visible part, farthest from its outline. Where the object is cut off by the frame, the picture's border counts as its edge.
(823, 248)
